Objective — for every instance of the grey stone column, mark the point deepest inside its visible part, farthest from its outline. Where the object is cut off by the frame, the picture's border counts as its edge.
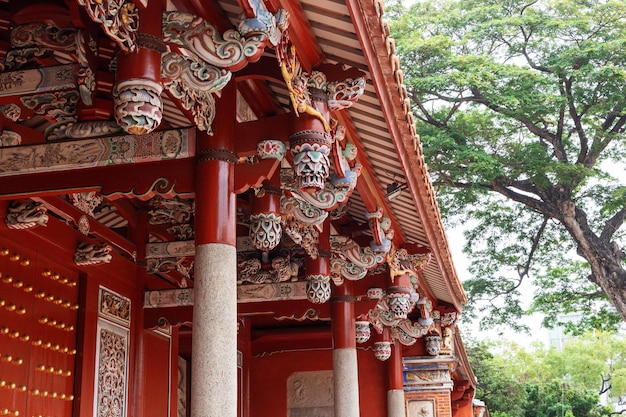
(346, 382)
(395, 403)
(214, 339)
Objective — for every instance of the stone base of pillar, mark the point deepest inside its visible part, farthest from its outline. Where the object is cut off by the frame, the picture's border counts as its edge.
(395, 403)
(214, 349)
(346, 385)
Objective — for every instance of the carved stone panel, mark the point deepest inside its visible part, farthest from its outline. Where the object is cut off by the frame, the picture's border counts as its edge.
(421, 408)
(310, 394)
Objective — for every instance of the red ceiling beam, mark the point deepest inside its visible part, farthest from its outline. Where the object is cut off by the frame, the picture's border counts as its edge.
(71, 215)
(118, 181)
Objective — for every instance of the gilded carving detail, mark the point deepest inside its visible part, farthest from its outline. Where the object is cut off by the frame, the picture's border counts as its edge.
(119, 19)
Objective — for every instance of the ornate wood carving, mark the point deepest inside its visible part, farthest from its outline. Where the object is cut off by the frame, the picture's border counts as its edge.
(87, 153)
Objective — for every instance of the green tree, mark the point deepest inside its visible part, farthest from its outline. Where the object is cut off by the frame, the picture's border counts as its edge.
(504, 395)
(548, 382)
(521, 110)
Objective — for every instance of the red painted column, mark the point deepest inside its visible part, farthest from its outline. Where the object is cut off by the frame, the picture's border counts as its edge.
(345, 366)
(214, 338)
(138, 233)
(395, 394)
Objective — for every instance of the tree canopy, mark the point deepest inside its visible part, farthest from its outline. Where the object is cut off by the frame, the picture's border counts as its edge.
(546, 382)
(521, 111)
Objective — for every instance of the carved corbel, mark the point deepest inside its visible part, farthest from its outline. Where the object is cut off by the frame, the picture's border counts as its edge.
(381, 229)
(192, 82)
(86, 202)
(265, 219)
(318, 271)
(231, 50)
(26, 215)
(351, 261)
(9, 138)
(88, 254)
(119, 19)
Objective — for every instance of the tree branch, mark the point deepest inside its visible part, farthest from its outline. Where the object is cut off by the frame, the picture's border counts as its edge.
(612, 225)
(524, 272)
(532, 127)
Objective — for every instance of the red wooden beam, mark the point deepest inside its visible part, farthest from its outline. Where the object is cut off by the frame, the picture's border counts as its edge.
(71, 214)
(138, 180)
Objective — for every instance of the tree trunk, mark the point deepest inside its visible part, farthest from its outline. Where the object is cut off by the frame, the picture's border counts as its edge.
(604, 257)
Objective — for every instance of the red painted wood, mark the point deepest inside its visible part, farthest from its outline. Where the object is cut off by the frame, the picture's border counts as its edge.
(342, 312)
(394, 363)
(72, 215)
(259, 97)
(244, 345)
(215, 200)
(155, 374)
(249, 134)
(270, 399)
(140, 180)
(144, 63)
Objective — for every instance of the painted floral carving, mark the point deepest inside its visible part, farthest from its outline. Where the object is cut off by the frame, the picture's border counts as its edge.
(318, 288)
(138, 105)
(265, 230)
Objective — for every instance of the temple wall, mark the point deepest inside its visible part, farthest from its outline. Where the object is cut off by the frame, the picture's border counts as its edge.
(67, 332)
(299, 384)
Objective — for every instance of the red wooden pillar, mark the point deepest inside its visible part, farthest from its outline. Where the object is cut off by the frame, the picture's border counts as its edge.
(395, 394)
(214, 339)
(345, 366)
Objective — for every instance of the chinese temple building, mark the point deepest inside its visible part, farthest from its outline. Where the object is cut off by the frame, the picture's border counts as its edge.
(218, 209)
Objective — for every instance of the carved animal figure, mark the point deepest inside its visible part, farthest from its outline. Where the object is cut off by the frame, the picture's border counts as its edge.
(25, 215)
(248, 270)
(92, 254)
(284, 269)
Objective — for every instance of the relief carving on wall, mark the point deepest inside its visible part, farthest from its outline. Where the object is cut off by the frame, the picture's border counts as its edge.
(114, 307)
(421, 408)
(310, 394)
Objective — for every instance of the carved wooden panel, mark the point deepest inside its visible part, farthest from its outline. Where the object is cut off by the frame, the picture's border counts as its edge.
(112, 355)
(38, 318)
